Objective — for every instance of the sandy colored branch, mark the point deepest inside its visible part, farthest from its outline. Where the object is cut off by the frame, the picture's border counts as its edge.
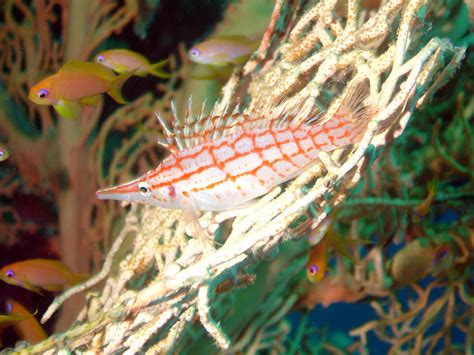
(313, 56)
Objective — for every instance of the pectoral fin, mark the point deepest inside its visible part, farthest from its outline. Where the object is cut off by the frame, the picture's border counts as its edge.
(53, 288)
(121, 68)
(30, 287)
(241, 60)
(68, 109)
(345, 247)
(194, 227)
(90, 101)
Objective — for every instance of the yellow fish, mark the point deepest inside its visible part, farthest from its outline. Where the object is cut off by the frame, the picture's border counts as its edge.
(317, 265)
(443, 259)
(38, 274)
(4, 154)
(78, 83)
(7, 321)
(28, 329)
(422, 209)
(419, 258)
(222, 51)
(125, 61)
(412, 263)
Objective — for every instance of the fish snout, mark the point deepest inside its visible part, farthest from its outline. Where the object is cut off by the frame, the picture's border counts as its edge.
(120, 192)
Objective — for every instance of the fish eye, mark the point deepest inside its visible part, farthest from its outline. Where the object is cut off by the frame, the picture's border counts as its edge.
(144, 189)
(9, 273)
(442, 253)
(43, 93)
(194, 52)
(313, 269)
(100, 58)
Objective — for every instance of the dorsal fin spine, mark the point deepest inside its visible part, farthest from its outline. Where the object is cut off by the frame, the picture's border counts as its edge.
(193, 130)
(161, 120)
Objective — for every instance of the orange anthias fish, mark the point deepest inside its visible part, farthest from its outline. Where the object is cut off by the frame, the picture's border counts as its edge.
(317, 265)
(412, 263)
(419, 258)
(7, 321)
(38, 274)
(28, 329)
(222, 162)
(78, 83)
(4, 154)
(124, 61)
(443, 259)
(222, 51)
(422, 209)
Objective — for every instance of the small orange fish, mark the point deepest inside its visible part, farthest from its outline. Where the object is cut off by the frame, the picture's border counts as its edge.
(415, 261)
(422, 209)
(316, 268)
(317, 265)
(38, 274)
(7, 321)
(4, 154)
(28, 329)
(443, 259)
(222, 51)
(78, 83)
(124, 61)
(419, 258)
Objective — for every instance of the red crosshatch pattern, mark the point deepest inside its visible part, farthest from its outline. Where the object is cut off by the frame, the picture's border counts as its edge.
(228, 160)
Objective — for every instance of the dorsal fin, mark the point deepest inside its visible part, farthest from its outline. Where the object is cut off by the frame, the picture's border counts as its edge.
(76, 65)
(357, 106)
(70, 65)
(194, 130)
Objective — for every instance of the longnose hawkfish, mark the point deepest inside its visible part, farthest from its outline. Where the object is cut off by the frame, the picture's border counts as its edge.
(221, 162)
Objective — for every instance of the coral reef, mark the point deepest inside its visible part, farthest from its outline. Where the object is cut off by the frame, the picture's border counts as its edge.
(163, 290)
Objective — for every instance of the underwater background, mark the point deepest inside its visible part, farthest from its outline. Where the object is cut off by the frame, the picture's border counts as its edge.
(412, 212)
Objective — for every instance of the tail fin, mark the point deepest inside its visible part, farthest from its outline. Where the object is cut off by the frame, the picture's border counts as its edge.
(116, 87)
(155, 69)
(356, 107)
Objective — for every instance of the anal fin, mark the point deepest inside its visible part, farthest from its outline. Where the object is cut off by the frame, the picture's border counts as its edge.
(68, 109)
